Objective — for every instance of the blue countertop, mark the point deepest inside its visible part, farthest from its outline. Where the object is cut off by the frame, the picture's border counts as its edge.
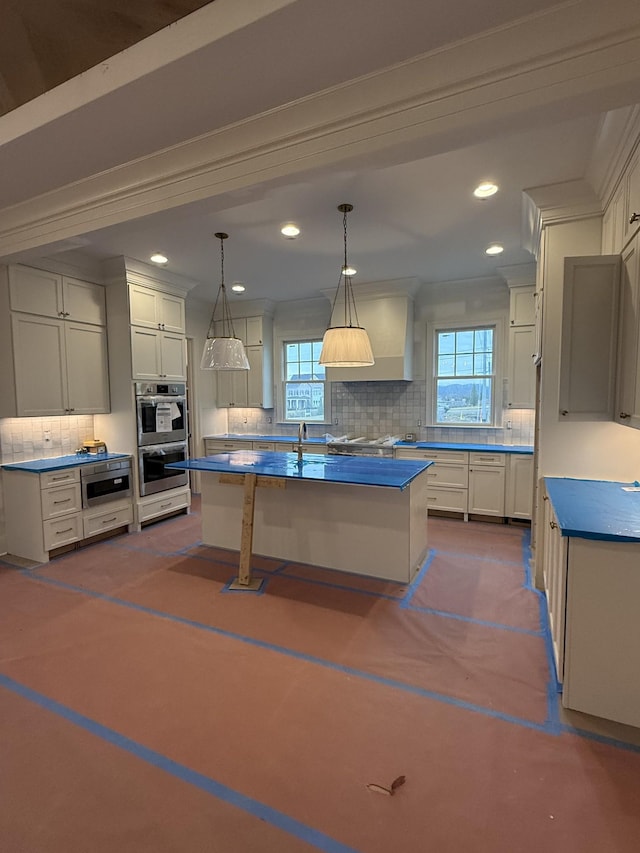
(57, 463)
(420, 445)
(351, 470)
(465, 445)
(595, 509)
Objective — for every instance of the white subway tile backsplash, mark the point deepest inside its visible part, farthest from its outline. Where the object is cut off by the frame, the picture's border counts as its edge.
(42, 438)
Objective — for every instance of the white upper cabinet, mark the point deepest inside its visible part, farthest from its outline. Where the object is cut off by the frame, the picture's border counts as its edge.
(522, 306)
(157, 355)
(155, 309)
(589, 337)
(632, 197)
(522, 347)
(628, 394)
(33, 291)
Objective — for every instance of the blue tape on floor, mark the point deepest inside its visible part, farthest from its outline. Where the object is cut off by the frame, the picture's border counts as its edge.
(180, 771)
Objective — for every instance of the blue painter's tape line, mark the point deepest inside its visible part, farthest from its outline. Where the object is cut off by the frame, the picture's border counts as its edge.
(415, 583)
(228, 795)
(565, 728)
(473, 621)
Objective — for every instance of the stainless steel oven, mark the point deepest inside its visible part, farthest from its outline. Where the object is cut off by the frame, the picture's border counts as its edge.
(154, 476)
(106, 481)
(161, 412)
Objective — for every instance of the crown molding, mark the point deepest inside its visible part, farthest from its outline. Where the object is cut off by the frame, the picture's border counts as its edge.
(448, 96)
(405, 287)
(617, 141)
(519, 275)
(132, 271)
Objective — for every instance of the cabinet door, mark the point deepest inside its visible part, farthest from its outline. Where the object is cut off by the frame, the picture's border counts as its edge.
(171, 313)
(632, 198)
(143, 307)
(84, 301)
(519, 490)
(39, 365)
(486, 490)
(555, 577)
(35, 291)
(232, 388)
(522, 371)
(239, 328)
(521, 306)
(87, 370)
(259, 390)
(145, 353)
(589, 336)
(628, 397)
(254, 332)
(172, 356)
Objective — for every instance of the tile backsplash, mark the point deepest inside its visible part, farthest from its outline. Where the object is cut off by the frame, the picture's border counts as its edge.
(41, 438)
(374, 409)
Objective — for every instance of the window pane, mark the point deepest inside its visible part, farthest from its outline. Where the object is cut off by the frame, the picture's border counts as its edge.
(446, 365)
(483, 364)
(464, 401)
(446, 343)
(484, 340)
(304, 401)
(464, 341)
(464, 365)
(305, 351)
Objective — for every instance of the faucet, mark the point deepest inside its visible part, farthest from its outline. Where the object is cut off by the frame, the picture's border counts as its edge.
(302, 434)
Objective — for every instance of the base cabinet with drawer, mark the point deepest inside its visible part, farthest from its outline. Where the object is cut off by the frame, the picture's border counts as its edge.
(486, 483)
(44, 512)
(162, 504)
(447, 480)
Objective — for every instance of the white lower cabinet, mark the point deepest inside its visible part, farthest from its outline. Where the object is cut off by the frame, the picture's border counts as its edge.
(518, 497)
(162, 504)
(486, 483)
(593, 588)
(447, 479)
(44, 512)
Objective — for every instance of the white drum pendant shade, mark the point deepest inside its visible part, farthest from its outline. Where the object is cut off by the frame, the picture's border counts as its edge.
(224, 354)
(346, 346)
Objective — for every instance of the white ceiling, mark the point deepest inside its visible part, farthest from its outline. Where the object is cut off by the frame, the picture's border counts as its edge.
(414, 213)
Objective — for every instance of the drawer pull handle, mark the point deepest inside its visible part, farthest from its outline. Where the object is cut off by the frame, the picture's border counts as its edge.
(109, 520)
(432, 499)
(66, 530)
(624, 415)
(65, 477)
(164, 506)
(65, 501)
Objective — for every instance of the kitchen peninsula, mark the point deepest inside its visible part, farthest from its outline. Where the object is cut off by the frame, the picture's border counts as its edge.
(362, 515)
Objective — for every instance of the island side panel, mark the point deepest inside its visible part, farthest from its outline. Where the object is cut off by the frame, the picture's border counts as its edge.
(367, 530)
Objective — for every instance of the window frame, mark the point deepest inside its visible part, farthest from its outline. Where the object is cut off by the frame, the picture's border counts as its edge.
(435, 328)
(282, 342)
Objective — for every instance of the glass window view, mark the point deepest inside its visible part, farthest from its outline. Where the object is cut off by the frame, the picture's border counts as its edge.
(304, 382)
(464, 376)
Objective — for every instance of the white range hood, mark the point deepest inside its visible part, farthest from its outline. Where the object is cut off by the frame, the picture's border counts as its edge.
(385, 310)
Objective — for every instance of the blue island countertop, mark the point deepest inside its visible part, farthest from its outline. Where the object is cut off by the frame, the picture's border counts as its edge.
(358, 470)
(57, 463)
(595, 509)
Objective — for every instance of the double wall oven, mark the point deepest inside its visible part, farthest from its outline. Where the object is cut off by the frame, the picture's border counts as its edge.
(162, 435)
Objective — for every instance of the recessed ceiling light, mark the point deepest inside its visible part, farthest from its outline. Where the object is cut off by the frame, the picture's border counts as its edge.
(158, 259)
(349, 270)
(494, 249)
(485, 190)
(290, 230)
(237, 287)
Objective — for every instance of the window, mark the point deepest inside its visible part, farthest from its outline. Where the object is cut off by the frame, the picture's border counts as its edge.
(464, 376)
(304, 382)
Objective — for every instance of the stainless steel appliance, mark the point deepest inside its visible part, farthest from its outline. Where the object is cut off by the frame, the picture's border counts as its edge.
(106, 481)
(154, 476)
(161, 412)
(361, 447)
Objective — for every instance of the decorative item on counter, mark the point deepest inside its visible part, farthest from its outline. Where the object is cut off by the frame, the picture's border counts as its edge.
(94, 446)
(347, 345)
(224, 351)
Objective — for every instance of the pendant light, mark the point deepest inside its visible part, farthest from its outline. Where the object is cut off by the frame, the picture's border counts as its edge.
(223, 351)
(347, 345)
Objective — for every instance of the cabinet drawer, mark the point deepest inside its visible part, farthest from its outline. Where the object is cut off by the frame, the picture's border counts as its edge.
(163, 505)
(262, 445)
(448, 474)
(461, 456)
(220, 446)
(452, 500)
(487, 459)
(60, 500)
(57, 478)
(62, 531)
(107, 520)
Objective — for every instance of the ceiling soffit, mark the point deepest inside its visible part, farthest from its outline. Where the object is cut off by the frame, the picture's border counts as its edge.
(450, 97)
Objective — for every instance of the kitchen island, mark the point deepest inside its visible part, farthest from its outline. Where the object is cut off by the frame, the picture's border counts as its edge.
(362, 515)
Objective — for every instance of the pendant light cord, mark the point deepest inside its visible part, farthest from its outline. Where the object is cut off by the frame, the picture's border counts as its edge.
(350, 310)
(227, 323)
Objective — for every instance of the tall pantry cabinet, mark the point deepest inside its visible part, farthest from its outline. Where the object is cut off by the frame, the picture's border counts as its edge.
(53, 341)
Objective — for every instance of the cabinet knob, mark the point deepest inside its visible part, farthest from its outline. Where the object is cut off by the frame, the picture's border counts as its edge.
(624, 415)
(564, 412)
(552, 525)
(634, 218)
